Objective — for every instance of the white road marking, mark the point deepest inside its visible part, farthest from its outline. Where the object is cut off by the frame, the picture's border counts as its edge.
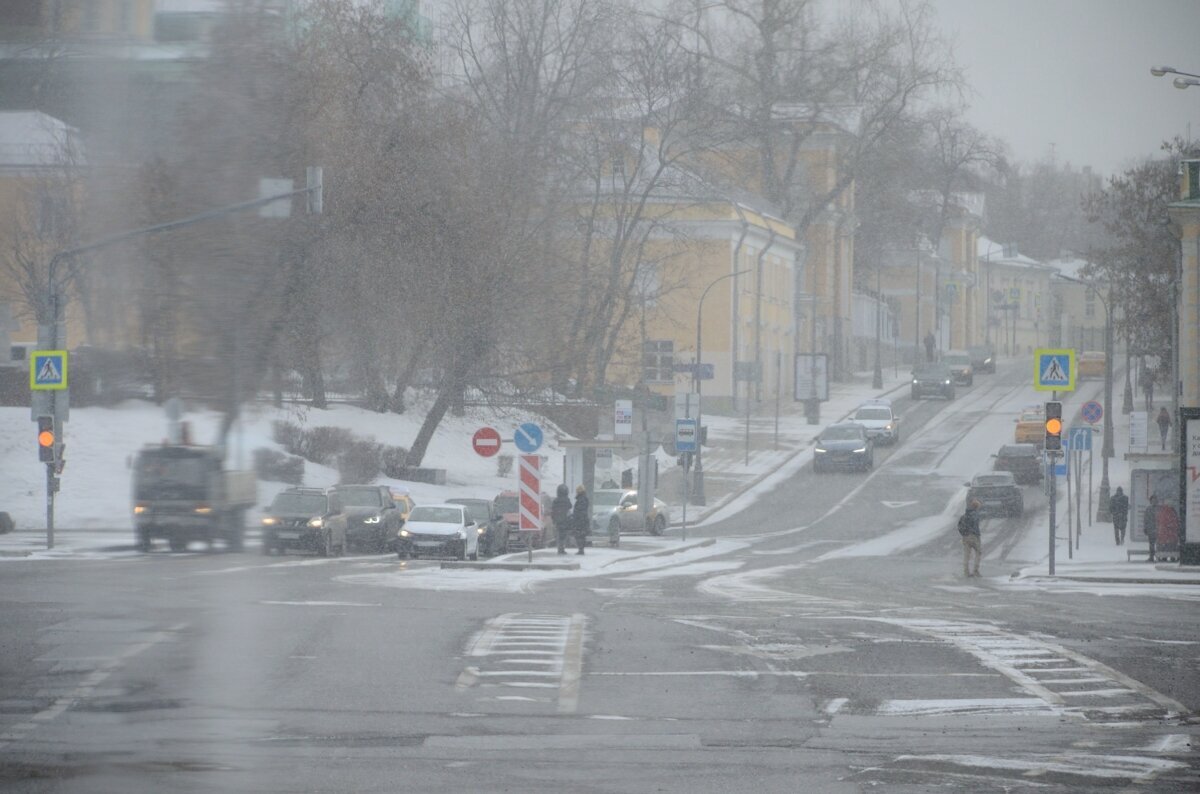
(935, 706)
(515, 650)
(835, 705)
(318, 604)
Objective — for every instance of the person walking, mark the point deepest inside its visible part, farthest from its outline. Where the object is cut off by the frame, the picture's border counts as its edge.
(1150, 524)
(929, 343)
(1118, 508)
(1164, 424)
(968, 527)
(1148, 389)
(581, 516)
(560, 514)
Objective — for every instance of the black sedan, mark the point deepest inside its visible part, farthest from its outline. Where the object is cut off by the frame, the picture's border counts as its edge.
(1023, 460)
(932, 378)
(998, 494)
(844, 445)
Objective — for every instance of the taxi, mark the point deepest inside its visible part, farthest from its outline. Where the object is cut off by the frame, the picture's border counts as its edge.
(1091, 364)
(1031, 428)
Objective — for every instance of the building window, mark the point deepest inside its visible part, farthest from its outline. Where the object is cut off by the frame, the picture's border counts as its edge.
(658, 361)
(1089, 304)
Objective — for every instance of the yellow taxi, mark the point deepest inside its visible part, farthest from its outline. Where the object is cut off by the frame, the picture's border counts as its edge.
(1091, 364)
(403, 501)
(1031, 428)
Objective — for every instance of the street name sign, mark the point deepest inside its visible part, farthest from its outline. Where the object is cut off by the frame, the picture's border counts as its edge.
(1054, 369)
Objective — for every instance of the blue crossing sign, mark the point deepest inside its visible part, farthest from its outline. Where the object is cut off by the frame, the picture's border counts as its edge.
(48, 370)
(1054, 370)
(528, 437)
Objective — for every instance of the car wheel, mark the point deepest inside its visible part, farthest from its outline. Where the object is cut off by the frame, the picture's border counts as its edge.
(266, 549)
(971, 381)
(178, 544)
(144, 542)
(462, 550)
(659, 526)
(325, 544)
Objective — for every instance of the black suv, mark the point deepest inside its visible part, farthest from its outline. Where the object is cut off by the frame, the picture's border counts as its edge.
(373, 519)
(998, 494)
(304, 518)
(932, 378)
(1023, 460)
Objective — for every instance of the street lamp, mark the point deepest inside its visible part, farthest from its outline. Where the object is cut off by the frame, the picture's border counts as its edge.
(877, 380)
(1102, 513)
(1184, 80)
(698, 477)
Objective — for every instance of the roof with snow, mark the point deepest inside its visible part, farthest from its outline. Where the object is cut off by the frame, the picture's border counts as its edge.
(989, 250)
(32, 139)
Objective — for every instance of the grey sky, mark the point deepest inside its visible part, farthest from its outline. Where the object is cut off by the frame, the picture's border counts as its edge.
(1076, 73)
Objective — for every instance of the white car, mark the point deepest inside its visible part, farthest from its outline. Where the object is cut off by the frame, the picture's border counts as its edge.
(439, 530)
(880, 420)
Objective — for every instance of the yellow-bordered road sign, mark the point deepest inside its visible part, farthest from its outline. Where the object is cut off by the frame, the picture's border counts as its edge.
(48, 370)
(1054, 369)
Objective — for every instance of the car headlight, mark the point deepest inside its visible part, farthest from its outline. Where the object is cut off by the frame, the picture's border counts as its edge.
(316, 523)
(889, 427)
(860, 449)
(372, 519)
(916, 382)
(404, 533)
(203, 510)
(139, 509)
(820, 450)
(480, 530)
(987, 361)
(947, 383)
(270, 522)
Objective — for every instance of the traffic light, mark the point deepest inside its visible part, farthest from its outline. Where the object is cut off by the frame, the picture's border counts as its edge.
(1053, 426)
(45, 439)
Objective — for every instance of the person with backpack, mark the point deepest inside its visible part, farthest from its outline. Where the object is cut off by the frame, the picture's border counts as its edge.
(968, 527)
(1118, 508)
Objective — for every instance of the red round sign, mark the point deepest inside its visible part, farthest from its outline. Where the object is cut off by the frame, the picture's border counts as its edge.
(486, 441)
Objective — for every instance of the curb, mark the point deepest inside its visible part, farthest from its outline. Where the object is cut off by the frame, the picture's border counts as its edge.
(1106, 580)
(664, 552)
(511, 566)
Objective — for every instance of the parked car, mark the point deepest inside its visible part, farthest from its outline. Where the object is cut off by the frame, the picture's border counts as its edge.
(932, 378)
(615, 510)
(1023, 460)
(880, 420)
(439, 530)
(1030, 429)
(843, 445)
(983, 358)
(304, 518)
(1091, 365)
(506, 505)
(489, 525)
(373, 520)
(959, 362)
(997, 492)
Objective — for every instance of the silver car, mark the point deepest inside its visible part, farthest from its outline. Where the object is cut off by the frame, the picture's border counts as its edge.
(616, 510)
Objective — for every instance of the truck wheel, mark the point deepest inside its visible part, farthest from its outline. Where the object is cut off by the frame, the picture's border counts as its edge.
(178, 544)
(144, 542)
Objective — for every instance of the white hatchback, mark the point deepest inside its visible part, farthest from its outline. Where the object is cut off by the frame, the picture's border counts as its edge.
(439, 530)
(880, 420)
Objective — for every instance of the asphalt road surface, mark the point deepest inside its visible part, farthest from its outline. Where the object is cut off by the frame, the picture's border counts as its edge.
(793, 660)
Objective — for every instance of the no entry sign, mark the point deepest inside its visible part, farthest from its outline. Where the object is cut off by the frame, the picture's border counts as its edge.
(486, 441)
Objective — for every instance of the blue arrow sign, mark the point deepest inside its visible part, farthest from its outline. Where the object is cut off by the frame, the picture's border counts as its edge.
(1080, 438)
(528, 437)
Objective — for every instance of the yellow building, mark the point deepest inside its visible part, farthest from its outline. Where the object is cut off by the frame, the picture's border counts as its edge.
(1020, 313)
(1080, 316)
(1185, 222)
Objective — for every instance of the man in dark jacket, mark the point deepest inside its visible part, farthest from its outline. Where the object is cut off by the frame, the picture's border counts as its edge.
(1118, 508)
(560, 514)
(581, 516)
(968, 527)
(929, 343)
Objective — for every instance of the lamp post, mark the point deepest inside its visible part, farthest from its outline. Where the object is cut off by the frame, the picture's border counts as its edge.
(877, 380)
(1182, 82)
(698, 473)
(1102, 512)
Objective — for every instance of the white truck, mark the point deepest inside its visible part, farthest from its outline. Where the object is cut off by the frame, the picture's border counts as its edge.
(182, 492)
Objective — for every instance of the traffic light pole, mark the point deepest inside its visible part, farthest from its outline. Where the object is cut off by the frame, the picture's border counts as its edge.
(50, 489)
(1053, 500)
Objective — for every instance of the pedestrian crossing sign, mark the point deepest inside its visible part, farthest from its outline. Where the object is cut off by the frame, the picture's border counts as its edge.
(48, 370)
(1054, 370)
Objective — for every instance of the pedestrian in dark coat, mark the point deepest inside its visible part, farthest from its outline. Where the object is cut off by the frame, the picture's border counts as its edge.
(581, 516)
(1148, 388)
(1118, 508)
(560, 514)
(1164, 424)
(1150, 524)
(929, 343)
(968, 527)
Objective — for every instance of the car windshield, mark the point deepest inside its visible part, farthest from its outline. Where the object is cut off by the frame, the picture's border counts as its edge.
(607, 498)
(301, 503)
(505, 504)
(477, 510)
(873, 414)
(962, 358)
(436, 515)
(360, 497)
(843, 433)
(931, 371)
